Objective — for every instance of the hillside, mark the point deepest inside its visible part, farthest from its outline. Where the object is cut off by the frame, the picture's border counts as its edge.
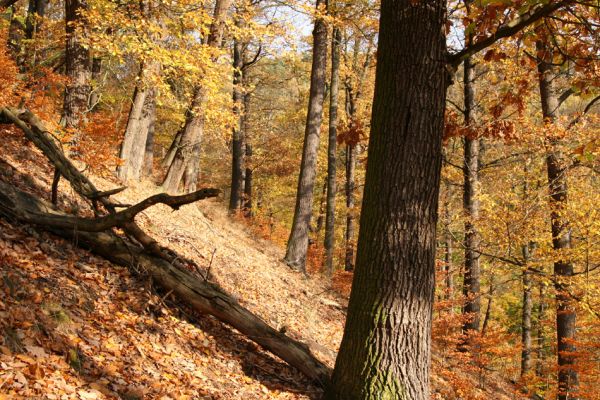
(77, 327)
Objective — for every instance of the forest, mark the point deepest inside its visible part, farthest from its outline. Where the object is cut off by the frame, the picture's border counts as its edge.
(329, 199)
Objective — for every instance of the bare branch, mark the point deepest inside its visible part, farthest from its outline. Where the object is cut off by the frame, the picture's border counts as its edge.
(510, 28)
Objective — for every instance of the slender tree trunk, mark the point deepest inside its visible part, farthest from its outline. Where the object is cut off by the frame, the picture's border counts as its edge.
(170, 156)
(297, 245)
(471, 285)
(488, 310)
(561, 232)
(248, 174)
(140, 119)
(526, 360)
(322, 208)
(95, 95)
(541, 337)
(150, 119)
(385, 351)
(189, 144)
(77, 59)
(237, 146)
(186, 161)
(132, 141)
(16, 32)
(350, 212)
(35, 11)
(332, 151)
(248, 184)
(448, 278)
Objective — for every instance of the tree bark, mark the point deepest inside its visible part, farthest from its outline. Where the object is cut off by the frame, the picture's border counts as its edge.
(133, 139)
(472, 272)
(297, 245)
(248, 176)
(150, 120)
(77, 60)
(350, 204)
(385, 351)
(185, 165)
(332, 151)
(561, 232)
(237, 145)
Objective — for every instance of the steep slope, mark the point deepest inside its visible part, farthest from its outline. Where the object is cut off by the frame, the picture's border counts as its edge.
(73, 326)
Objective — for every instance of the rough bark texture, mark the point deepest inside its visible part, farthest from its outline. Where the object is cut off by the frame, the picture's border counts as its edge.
(297, 245)
(185, 164)
(332, 151)
(471, 285)
(385, 351)
(561, 232)
(77, 59)
(237, 144)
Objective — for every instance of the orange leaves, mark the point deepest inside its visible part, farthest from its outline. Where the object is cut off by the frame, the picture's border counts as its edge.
(351, 133)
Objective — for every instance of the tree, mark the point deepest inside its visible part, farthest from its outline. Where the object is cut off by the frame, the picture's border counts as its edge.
(471, 285)
(561, 232)
(77, 59)
(332, 150)
(297, 245)
(184, 165)
(385, 351)
(141, 115)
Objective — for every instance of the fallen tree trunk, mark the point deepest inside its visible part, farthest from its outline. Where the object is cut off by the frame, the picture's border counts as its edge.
(117, 219)
(201, 295)
(167, 271)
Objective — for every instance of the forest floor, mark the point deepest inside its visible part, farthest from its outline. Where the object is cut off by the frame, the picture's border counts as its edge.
(74, 326)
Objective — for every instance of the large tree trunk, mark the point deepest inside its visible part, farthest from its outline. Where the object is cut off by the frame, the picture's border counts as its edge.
(385, 351)
(561, 232)
(471, 285)
(185, 164)
(237, 145)
(77, 60)
(332, 151)
(297, 245)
